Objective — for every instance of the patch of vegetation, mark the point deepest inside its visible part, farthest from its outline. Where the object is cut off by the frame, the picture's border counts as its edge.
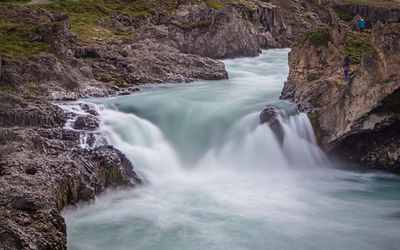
(340, 85)
(8, 90)
(314, 119)
(345, 16)
(85, 14)
(7, 215)
(214, 4)
(378, 3)
(15, 40)
(317, 38)
(314, 4)
(17, 2)
(357, 44)
(314, 76)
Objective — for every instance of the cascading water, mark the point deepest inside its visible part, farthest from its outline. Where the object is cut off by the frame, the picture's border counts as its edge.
(218, 179)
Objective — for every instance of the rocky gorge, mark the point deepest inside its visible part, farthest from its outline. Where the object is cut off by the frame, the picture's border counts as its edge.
(60, 55)
(350, 116)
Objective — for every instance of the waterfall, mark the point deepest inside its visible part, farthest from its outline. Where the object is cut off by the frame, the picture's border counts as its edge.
(219, 179)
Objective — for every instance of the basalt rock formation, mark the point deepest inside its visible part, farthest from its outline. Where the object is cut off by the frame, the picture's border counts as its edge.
(358, 118)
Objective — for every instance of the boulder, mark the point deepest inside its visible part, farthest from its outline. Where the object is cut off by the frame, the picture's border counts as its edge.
(270, 116)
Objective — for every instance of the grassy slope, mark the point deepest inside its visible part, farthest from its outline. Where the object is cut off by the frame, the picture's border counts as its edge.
(378, 3)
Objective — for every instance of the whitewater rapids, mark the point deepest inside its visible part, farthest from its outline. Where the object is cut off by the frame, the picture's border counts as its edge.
(217, 179)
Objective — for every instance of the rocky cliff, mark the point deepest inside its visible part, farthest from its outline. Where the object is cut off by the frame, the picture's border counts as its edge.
(348, 116)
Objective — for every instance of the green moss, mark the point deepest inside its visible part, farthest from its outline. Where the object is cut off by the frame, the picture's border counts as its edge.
(8, 90)
(7, 215)
(314, 119)
(15, 40)
(339, 85)
(16, 2)
(378, 3)
(214, 4)
(318, 38)
(314, 76)
(345, 16)
(64, 198)
(356, 45)
(314, 4)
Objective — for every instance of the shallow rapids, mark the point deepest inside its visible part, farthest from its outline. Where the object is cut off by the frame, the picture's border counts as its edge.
(217, 179)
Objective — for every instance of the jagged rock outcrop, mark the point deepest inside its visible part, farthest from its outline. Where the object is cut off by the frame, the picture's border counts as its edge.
(341, 110)
(147, 60)
(370, 13)
(202, 30)
(42, 169)
(298, 17)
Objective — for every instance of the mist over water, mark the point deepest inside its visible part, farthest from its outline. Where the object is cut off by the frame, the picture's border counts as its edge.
(217, 179)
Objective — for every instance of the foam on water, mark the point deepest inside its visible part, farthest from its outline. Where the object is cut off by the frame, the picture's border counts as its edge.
(220, 180)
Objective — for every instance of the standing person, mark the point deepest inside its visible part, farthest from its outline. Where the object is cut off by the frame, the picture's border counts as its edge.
(346, 74)
(361, 24)
(347, 61)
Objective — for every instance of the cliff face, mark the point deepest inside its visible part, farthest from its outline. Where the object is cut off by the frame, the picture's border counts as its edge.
(366, 105)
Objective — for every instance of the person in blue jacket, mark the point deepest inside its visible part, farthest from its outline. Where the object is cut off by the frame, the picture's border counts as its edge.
(361, 24)
(346, 74)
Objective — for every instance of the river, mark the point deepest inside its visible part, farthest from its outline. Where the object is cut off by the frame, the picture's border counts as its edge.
(217, 179)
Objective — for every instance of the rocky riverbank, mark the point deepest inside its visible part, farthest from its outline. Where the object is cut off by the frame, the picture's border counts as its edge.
(358, 118)
(43, 167)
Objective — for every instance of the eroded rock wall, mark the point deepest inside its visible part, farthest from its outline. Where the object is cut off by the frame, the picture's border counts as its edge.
(339, 109)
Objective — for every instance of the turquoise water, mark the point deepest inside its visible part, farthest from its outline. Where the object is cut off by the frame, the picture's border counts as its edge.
(217, 179)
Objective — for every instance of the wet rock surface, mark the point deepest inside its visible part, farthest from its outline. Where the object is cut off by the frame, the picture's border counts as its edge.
(270, 116)
(88, 122)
